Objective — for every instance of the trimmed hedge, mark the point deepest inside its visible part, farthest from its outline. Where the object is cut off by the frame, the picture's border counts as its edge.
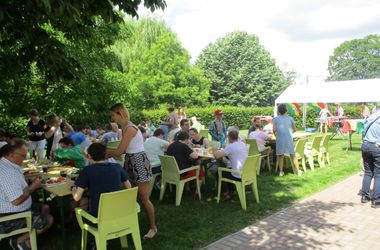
(239, 116)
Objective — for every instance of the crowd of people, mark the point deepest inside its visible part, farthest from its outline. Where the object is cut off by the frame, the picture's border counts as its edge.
(140, 145)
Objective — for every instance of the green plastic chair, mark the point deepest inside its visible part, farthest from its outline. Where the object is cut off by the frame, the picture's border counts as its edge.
(27, 229)
(205, 134)
(312, 150)
(299, 150)
(171, 175)
(254, 150)
(248, 177)
(117, 217)
(113, 145)
(325, 150)
(153, 180)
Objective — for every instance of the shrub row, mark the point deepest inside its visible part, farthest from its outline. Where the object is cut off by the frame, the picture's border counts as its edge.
(238, 116)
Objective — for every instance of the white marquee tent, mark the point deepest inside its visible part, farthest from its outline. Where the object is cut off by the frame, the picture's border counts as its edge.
(331, 92)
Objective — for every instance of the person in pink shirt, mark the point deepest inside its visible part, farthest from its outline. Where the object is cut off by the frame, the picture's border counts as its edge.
(260, 137)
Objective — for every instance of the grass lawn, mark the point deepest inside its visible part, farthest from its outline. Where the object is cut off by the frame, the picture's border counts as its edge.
(197, 223)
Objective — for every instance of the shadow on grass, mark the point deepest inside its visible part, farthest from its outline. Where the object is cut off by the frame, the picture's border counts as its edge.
(292, 228)
(196, 223)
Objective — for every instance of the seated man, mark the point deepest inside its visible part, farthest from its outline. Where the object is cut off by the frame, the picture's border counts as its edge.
(185, 126)
(15, 195)
(183, 154)
(255, 121)
(109, 135)
(155, 146)
(99, 177)
(237, 152)
(260, 137)
(197, 140)
(69, 154)
(79, 135)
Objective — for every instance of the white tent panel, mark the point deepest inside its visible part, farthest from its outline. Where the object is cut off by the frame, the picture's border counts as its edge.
(333, 92)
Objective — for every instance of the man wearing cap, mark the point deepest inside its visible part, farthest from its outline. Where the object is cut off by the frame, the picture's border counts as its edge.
(218, 129)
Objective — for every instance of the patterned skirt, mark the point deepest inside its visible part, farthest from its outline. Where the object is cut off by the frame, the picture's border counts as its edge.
(138, 167)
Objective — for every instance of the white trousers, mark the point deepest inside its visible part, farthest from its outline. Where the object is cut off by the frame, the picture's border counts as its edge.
(39, 147)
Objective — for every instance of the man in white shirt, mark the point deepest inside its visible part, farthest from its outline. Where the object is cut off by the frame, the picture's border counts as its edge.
(15, 195)
(237, 153)
(260, 137)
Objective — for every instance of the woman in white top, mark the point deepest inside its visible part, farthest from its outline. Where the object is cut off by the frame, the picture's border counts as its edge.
(136, 161)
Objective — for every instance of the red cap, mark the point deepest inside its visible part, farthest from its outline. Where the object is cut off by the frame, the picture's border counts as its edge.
(218, 112)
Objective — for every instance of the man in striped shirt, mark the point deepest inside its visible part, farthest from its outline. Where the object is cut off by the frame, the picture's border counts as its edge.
(15, 195)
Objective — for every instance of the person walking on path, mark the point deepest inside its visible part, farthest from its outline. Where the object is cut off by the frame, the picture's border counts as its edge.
(371, 160)
(283, 127)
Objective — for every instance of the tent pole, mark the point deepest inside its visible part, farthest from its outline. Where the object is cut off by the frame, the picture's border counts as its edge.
(304, 116)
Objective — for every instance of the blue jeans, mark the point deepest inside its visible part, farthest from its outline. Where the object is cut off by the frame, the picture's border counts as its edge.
(371, 160)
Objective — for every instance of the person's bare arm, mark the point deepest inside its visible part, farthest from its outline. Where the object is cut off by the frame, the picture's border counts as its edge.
(194, 155)
(50, 132)
(27, 192)
(128, 134)
(77, 193)
(68, 126)
(274, 129)
(294, 129)
(127, 184)
(219, 154)
(166, 145)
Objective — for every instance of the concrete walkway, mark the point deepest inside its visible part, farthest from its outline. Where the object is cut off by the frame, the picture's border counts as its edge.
(332, 219)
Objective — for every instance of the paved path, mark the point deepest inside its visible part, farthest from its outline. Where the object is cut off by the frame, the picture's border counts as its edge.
(331, 219)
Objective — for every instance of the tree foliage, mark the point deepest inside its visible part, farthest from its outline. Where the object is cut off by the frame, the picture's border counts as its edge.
(55, 56)
(356, 59)
(241, 71)
(38, 31)
(159, 68)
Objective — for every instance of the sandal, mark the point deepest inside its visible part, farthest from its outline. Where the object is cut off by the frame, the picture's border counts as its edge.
(226, 197)
(151, 233)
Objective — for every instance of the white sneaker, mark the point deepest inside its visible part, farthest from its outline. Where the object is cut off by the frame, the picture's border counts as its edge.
(282, 173)
(299, 172)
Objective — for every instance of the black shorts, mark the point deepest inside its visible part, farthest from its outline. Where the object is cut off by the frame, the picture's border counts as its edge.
(39, 220)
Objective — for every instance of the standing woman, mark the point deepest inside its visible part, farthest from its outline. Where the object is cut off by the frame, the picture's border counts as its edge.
(136, 162)
(283, 127)
(53, 133)
(35, 129)
(181, 113)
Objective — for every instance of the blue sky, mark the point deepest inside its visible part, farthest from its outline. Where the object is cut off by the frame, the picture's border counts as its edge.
(299, 34)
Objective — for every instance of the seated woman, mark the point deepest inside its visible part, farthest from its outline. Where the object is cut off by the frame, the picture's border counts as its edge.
(197, 140)
(69, 154)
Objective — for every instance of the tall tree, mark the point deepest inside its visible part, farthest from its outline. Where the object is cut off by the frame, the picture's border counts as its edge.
(164, 75)
(356, 59)
(136, 37)
(241, 71)
(38, 31)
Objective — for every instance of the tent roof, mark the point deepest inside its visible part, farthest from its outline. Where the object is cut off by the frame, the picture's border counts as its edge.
(332, 92)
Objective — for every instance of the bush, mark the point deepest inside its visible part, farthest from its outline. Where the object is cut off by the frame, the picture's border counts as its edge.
(15, 126)
(240, 116)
